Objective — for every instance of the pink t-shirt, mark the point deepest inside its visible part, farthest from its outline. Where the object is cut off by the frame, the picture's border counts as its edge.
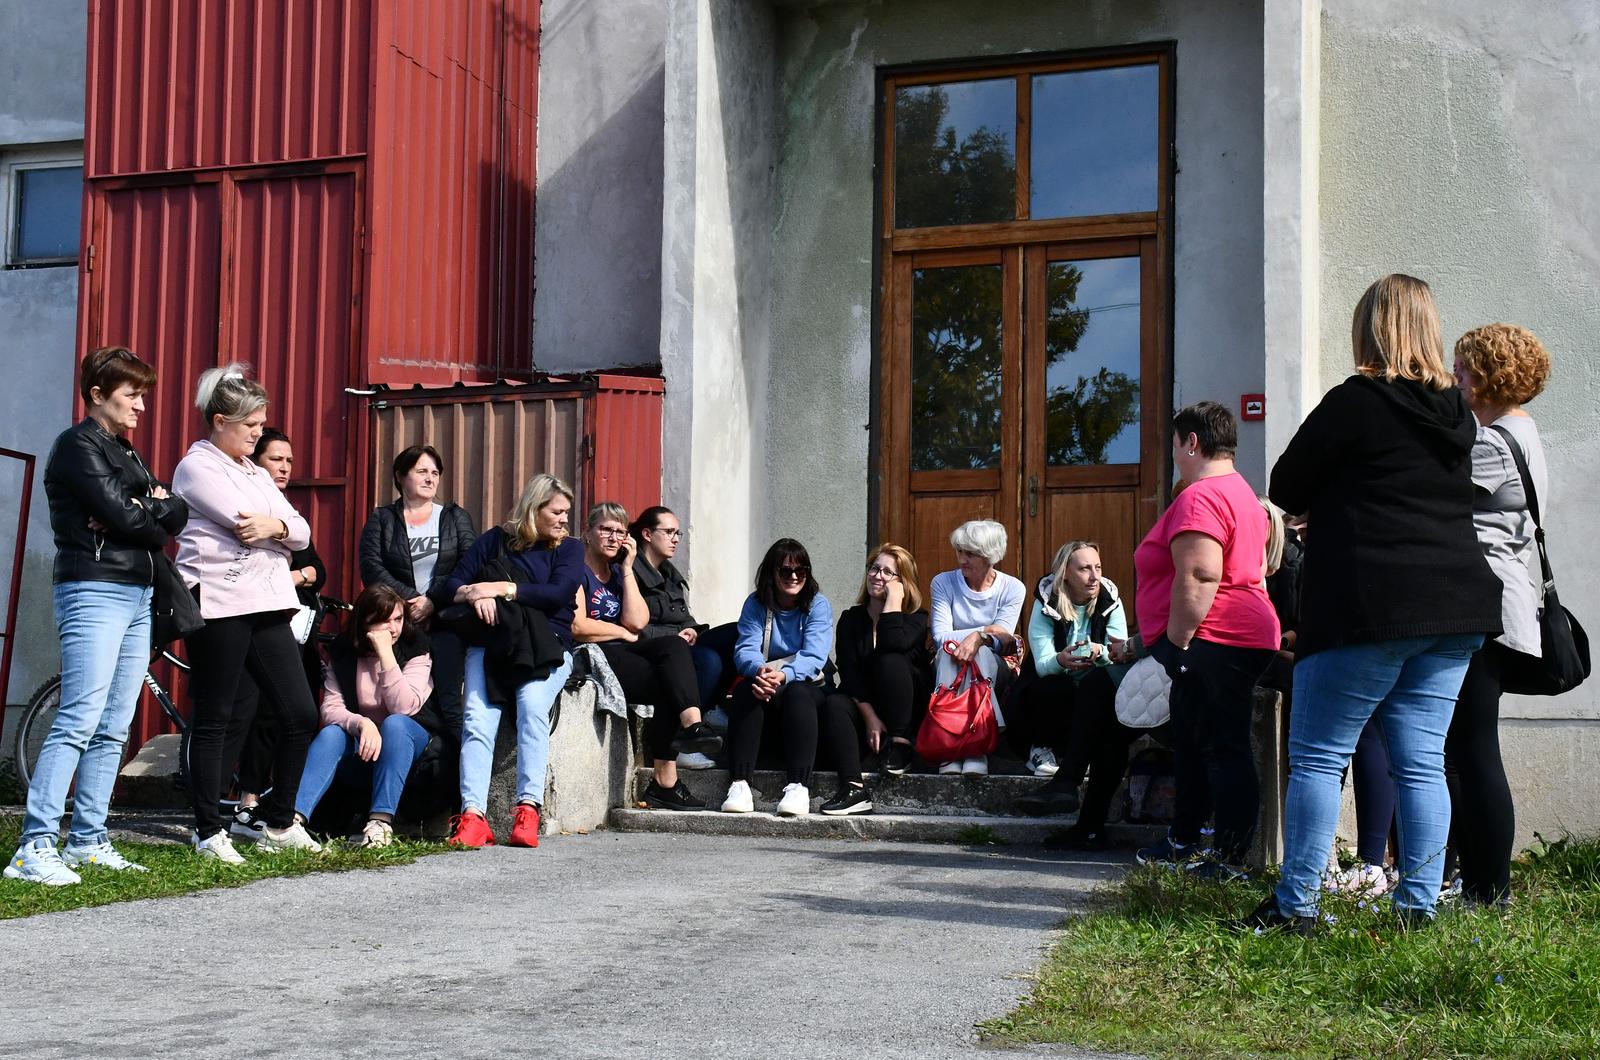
(1224, 508)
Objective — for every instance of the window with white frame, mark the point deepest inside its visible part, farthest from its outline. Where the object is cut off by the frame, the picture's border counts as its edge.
(41, 203)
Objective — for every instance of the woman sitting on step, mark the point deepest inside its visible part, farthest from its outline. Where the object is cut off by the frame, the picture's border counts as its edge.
(885, 679)
(377, 711)
(656, 670)
(785, 631)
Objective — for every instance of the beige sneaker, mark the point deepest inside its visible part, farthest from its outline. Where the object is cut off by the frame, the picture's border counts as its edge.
(295, 837)
(373, 834)
(218, 848)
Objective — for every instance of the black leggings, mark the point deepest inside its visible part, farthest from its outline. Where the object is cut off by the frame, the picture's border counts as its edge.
(658, 671)
(1483, 822)
(1374, 794)
(799, 705)
(223, 653)
(1077, 719)
(1213, 700)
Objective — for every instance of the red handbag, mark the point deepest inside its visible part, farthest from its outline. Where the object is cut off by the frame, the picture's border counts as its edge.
(960, 722)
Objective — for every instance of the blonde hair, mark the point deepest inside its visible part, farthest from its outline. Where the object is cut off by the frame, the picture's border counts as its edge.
(912, 601)
(1275, 536)
(1510, 362)
(227, 391)
(1394, 333)
(1058, 571)
(523, 527)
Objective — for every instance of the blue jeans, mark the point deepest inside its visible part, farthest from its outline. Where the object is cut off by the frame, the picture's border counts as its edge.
(333, 751)
(713, 657)
(481, 724)
(105, 649)
(1410, 686)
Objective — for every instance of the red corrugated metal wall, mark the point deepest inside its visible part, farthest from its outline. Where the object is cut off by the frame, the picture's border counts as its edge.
(624, 428)
(450, 233)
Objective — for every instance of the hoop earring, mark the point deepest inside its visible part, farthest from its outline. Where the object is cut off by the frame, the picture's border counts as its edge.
(1191, 452)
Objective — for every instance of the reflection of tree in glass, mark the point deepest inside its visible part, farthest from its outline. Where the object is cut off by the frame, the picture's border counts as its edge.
(938, 181)
(1084, 418)
(955, 368)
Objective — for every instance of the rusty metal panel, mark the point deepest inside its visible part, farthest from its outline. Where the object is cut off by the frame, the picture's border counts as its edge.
(626, 432)
(450, 238)
(193, 84)
(492, 440)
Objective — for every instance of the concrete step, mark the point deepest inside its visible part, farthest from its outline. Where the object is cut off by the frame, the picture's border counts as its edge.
(897, 827)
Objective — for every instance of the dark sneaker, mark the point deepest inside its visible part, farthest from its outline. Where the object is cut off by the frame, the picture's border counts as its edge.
(1078, 837)
(698, 738)
(852, 798)
(1207, 866)
(676, 797)
(247, 824)
(1265, 917)
(1050, 799)
(898, 760)
(1167, 853)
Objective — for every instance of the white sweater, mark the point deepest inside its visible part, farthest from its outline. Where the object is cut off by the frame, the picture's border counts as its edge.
(957, 610)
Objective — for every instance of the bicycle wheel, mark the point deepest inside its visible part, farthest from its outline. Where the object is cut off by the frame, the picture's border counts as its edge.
(34, 726)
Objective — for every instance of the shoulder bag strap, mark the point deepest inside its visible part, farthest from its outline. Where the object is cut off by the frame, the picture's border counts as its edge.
(766, 637)
(1533, 499)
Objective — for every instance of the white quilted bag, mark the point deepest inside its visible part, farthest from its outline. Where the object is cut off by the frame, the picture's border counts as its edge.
(1142, 695)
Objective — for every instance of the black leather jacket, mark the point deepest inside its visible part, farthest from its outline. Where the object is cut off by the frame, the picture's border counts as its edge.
(93, 474)
(386, 551)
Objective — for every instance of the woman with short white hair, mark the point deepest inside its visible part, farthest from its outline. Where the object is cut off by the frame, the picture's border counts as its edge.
(975, 613)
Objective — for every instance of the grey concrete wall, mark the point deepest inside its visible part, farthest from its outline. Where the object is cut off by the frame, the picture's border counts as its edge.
(41, 102)
(823, 282)
(1459, 144)
(597, 244)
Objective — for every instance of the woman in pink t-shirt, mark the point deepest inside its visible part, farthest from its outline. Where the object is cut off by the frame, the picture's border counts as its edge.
(1204, 613)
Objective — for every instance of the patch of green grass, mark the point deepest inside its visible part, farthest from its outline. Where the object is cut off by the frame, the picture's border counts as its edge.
(176, 869)
(979, 835)
(1156, 972)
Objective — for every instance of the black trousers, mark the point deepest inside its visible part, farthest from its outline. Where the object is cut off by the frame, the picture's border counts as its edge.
(658, 671)
(258, 648)
(898, 693)
(1213, 699)
(798, 706)
(1077, 719)
(1483, 821)
(260, 739)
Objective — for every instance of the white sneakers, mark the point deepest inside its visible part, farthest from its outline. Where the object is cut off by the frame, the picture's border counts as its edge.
(295, 837)
(695, 760)
(40, 862)
(102, 855)
(217, 848)
(1042, 761)
(950, 767)
(975, 767)
(373, 834)
(796, 801)
(738, 800)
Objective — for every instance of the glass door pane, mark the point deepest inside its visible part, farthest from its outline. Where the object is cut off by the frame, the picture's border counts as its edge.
(1091, 347)
(955, 153)
(1096, 142)
(956, 367)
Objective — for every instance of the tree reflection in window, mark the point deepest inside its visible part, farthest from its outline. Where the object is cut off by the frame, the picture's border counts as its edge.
(955, 368)
(954, 157)
(1092, 358)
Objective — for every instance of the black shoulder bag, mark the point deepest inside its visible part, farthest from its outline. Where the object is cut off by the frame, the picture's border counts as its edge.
(1563, 662)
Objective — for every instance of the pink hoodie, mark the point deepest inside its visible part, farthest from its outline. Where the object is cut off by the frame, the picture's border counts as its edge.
(234, 578)
(379, 692)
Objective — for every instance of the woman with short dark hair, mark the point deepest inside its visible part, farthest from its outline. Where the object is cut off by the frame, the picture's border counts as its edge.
(110, 517)
(785, 631)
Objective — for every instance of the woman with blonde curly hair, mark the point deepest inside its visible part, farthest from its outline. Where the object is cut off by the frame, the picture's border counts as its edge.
(1498, 367)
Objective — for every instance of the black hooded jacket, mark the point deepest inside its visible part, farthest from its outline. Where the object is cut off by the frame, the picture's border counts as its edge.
(1382, 471)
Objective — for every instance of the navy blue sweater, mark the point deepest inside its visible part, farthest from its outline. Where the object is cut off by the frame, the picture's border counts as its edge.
(548, 578)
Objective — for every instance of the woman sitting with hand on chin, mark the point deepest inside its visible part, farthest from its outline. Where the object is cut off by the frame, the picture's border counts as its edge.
(657, 670)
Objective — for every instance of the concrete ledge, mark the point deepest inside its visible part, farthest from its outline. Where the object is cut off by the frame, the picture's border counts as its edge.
(895, 827)
(914, 793)
(591, 768)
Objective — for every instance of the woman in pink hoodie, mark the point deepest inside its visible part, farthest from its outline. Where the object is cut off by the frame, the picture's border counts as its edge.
(234, 556)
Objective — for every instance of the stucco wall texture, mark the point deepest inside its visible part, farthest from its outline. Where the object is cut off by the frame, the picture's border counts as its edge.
(41, 102)
(1459, 144)
(820, 383)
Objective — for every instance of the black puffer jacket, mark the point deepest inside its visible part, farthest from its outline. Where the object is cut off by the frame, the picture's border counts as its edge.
(91, 473)
(386, 551)
(666, 594)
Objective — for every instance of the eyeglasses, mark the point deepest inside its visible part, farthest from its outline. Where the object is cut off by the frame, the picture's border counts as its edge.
(794, 573)
(614, 535)
(876, 571)
(673, 533)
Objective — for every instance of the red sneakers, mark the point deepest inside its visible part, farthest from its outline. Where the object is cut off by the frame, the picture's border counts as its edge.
(471, 830)
(525, 826)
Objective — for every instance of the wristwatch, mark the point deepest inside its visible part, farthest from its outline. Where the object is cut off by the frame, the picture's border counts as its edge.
(510, 596)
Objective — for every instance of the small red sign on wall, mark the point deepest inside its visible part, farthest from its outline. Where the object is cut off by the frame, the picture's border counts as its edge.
(1252, 406)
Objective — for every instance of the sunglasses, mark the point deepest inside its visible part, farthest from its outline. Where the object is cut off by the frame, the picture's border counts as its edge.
(794, 573)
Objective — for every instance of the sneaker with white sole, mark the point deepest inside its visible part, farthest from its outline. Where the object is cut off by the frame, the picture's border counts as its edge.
(372, 834)
(40, 862)
(101, 855)
(851, 798)
(738, 800)
(950, 767)
(1042, 762)
(217, 848)
(295, 837)
(695, 760)
(975, 767)
(717, 718)
(796, 801)
(247, 824)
